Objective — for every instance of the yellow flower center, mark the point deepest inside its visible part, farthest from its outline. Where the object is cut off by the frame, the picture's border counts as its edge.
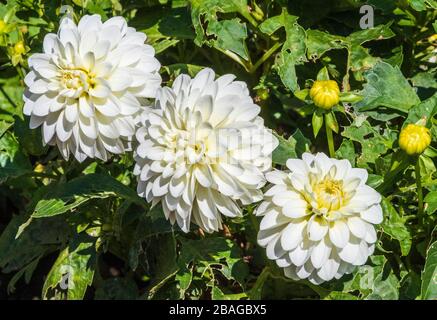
(325, 94)
(79, 80)
(185, 144)
(414, 139)
(329, 195)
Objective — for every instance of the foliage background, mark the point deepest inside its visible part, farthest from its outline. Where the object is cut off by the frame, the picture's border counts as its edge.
(86, 219)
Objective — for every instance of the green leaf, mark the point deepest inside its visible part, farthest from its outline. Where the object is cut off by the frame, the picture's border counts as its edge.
(293, 49)
(375, 281)
(425, 80)
(4, 126)
(386, 86)
(429, 274)
(426, 109)
(164, 27)
(164, 44)
(335, 295)
(394, 226)
(410, 286)
(178, 68)
(421, 5)
(231, 35)
(271, 25)
(292, 54)
(184, 277)
(27, 271)
(302, 143)
(117, 289)
(13, 162)
(30, 140)
(70, 195)
(11, 92)
(302, 94)
(290, 148)
(223, 34)
(379, 32)
(373, 144)
(431, 202)
(150, 225)
(374, 181)
(163, 266)
(214, 252)
(164, 23)
(323, 74)
(285, 150)
(361, 60)
(37, 239)
(73, 271)
(319, 42)
(346, 151)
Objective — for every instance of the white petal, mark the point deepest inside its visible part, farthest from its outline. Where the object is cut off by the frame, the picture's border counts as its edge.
(373, 214)
(320, 254)
(357, 227)
(339, 233)
(317, 229)
(329, 269)
(276, 177)
(292, 235)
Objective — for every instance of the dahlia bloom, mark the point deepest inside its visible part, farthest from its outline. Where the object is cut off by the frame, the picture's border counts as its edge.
(318, 219)
(89, 86)
(203, 150)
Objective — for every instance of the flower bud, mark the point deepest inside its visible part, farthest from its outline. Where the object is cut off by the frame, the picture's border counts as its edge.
(2, 26)
(39, 168)
(414, 139)
(433, 38)
(325, 94)
(262, 94)
(19, 48)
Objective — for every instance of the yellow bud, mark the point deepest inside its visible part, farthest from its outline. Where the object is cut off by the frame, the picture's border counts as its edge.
(433, 38)
(39, 168)
(2, 26)
(414, 139)
(19, 48)
(325, 93)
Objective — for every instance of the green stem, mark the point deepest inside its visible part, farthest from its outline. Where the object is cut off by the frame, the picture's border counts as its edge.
(330, 140)
(265, 56)
(42, 175)
(255, 292)
(8, 98)
(246, 14)
(246, 65)
(419, 191)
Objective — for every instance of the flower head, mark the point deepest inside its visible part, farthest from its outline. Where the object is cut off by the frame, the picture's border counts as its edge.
(202, 150)
(318, 218)
(414, 139)
(88, 87)
(325, 93)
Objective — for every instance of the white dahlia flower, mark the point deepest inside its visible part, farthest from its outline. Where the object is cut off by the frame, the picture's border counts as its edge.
(202, 150)
(89, 86)
(318, 219)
